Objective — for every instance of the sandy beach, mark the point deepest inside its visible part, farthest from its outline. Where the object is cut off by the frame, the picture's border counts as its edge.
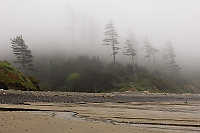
(141, 116)
(105, 117)
(20, 122)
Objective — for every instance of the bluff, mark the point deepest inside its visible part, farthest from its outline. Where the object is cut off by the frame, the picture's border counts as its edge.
(11, 78)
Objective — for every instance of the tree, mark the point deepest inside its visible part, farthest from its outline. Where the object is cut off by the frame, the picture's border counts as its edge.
(23, 55)
(130, 51)
(150, 51)
(169, 57)
(111, 39)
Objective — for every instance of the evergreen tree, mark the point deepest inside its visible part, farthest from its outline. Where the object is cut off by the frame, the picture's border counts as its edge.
(130, 51)
(150, 52)
(169, 57)
(23, 55)
(111, 39)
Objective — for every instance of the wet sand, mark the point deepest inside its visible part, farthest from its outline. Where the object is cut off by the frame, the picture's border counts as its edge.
(23, 122)
(132, 113)
(135, 117)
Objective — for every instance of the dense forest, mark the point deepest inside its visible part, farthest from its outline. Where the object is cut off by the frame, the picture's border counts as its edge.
(133, 67)
(90, 74)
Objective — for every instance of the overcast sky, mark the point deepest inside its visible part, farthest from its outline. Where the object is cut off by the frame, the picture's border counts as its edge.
(73, 24)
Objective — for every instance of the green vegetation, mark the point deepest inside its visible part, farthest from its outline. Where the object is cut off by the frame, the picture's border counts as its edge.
(90, 74)
(11, 78)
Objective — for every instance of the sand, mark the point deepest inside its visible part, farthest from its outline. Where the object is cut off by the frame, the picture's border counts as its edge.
(102, 118)
(23, 122)
(58, 112)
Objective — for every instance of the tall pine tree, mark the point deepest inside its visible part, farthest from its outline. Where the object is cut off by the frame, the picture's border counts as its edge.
(111, 39)
(23, 55)
(150, 51)
(170, 59)
(130, 51)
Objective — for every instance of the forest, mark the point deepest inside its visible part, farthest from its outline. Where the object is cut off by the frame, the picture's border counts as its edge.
(131, 68)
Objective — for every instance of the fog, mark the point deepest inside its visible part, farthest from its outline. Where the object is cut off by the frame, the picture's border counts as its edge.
(69, 26)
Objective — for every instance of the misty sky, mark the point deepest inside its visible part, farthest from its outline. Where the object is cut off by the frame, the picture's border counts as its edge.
(74, 24)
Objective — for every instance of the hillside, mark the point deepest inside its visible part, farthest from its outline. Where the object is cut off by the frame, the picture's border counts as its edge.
(11, 78)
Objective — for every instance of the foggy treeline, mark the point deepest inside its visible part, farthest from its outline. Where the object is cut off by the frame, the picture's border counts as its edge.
(75, 49)
(143, 67)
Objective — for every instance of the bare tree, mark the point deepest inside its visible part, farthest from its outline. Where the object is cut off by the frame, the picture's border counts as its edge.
(23, 55)
(111, 39)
